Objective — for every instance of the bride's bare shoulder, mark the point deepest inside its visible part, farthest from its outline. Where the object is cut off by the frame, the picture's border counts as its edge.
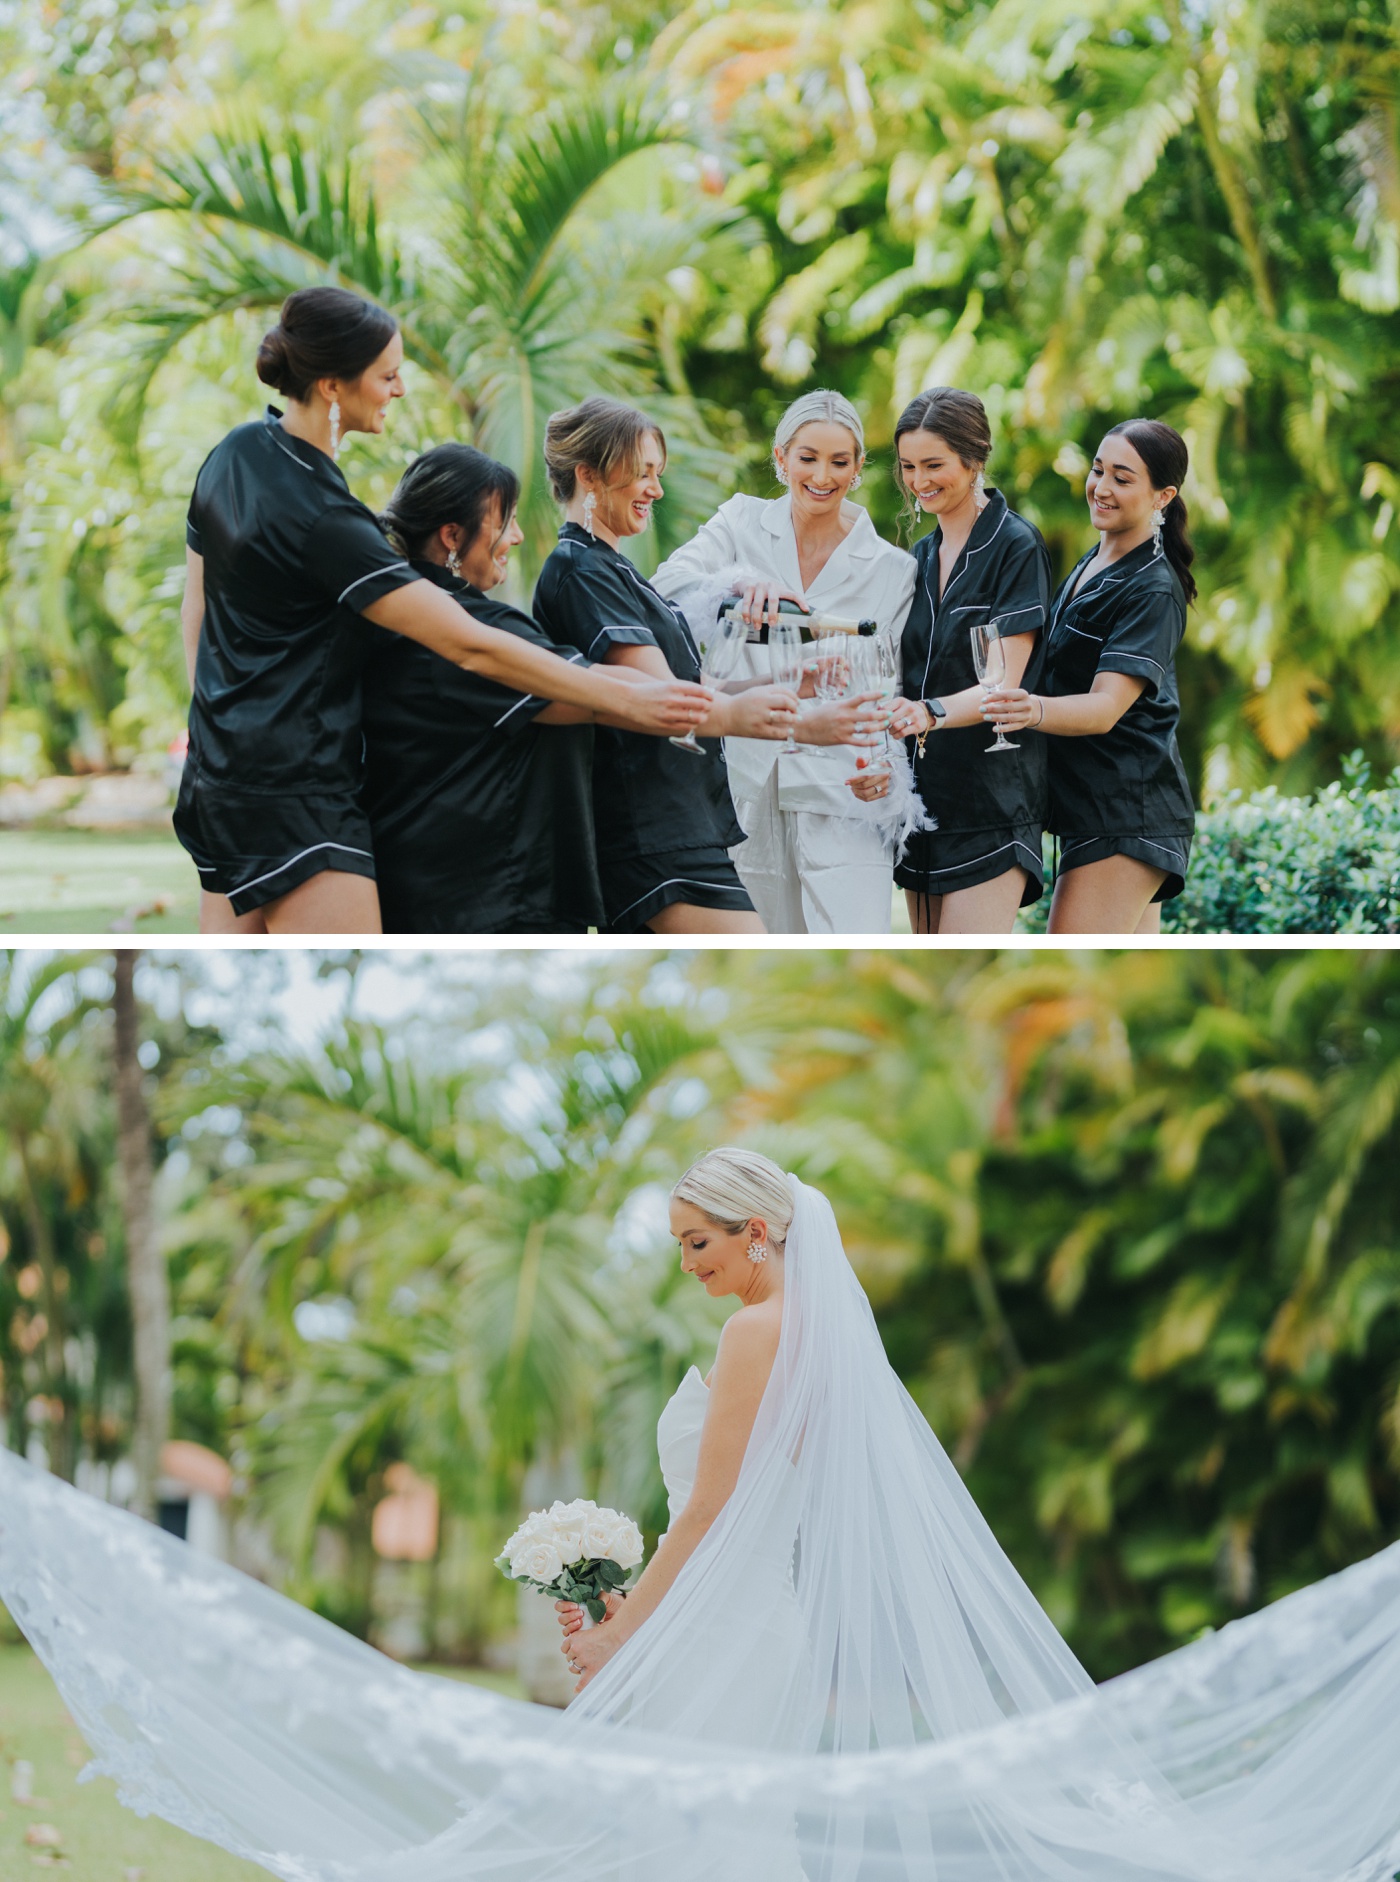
(750, 1337)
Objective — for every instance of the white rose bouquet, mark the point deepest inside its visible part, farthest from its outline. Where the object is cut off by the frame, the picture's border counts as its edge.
(575, 1552)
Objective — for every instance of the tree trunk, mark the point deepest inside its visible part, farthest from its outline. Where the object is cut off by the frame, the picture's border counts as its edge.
(60, 1435)
(147, 1280)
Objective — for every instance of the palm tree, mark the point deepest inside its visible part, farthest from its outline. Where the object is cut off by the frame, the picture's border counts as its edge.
(526, 267)
(52, 1151)
(460, 1226)
(145, 1259)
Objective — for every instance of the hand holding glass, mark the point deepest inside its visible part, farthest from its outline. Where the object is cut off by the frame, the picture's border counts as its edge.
(879, 673)
(989, 660)
(718, 662)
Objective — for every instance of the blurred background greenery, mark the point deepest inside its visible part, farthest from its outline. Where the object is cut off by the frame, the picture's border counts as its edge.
(1127, 1222)
(1080, 212)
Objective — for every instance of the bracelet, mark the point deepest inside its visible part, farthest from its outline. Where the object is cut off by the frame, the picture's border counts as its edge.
(1041, 703)
(933, 720)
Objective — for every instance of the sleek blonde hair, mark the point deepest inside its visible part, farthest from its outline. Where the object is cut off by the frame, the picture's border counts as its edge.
(818, 408)
(732, 1186)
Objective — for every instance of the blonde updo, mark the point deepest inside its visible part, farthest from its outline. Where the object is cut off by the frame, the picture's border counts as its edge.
(732, 1186)
(818, 408)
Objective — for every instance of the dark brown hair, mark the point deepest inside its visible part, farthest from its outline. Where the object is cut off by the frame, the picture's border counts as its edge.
(604, 434)
(323, 333)
(452, 483)
(1166, 460)
(959, 418)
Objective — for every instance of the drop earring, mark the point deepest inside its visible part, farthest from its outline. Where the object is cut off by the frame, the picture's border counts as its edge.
(1157, 522)
(979, 489)
(780, 472)
(856, 480)
(335, 427)
(758, 1251)
(454, 562)
(590, 504)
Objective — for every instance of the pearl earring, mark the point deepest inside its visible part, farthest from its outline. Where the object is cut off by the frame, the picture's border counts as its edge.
(758, 1251)
(590, 504)
(780, 472)
(1157, 522)
(855, 481)
(335, 427)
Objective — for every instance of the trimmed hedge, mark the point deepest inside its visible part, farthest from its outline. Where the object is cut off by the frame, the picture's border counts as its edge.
(1269, 864)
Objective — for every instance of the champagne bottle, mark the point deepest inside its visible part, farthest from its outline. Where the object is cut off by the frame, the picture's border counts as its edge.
(812, 624)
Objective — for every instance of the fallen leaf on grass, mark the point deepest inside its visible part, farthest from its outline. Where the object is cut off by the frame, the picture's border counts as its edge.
(125, 923)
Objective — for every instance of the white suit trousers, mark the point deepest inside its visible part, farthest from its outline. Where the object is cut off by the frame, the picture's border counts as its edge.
(810, 873)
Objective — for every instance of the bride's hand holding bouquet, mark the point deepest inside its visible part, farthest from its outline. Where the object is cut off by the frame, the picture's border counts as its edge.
(582, 1555)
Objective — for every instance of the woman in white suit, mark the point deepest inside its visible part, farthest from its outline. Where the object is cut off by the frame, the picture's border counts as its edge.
(817, 859)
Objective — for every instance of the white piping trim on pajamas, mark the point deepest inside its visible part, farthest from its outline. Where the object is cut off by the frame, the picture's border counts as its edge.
(1136, 656)
(954, 869)
(528, 698)
(387, 569)
(286, 448)
(671, 882)
(965, 558)
(267, 876)
(622, 627)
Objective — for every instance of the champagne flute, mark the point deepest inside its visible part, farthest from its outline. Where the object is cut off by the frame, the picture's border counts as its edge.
(989, 659)
(785, 662)
(885, 663)
(718, 661)
(833, 674)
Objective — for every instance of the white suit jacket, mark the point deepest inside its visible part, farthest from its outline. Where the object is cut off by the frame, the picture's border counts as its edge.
(865, 578)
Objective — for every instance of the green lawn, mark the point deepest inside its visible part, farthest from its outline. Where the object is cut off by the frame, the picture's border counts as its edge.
(100, 1841)
(81, 882)
(90, 882)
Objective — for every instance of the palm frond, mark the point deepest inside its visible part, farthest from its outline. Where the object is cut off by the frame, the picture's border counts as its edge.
(558, 165)
(305, 195)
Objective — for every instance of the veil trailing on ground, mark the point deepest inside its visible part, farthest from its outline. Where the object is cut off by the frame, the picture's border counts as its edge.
(848, 1682)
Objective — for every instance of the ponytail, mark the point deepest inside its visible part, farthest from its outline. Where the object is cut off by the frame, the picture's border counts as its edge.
(1165, 457)
(1178, 547)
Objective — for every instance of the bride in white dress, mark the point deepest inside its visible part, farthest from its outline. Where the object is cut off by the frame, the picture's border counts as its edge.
(828, 1670)
(730, 1215)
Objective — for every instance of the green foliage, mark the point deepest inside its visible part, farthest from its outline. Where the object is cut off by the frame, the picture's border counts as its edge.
(1126, 1220)
(1153, 1306)
(1189, 212)
(1269, 864)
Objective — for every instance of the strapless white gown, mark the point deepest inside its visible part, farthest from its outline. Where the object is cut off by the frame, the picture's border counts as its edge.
(770, 1672)
(678, 1439)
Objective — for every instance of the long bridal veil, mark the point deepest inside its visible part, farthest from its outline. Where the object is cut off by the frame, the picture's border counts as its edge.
(848, 1682)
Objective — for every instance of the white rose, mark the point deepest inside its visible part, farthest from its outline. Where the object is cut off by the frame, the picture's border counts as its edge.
(537, 1561)
(599, 1528)
(566, 1523)
(625, 1542)
(535, 1528)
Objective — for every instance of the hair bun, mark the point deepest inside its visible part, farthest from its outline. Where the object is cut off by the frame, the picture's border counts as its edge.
(272, 359)
(322, 333)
